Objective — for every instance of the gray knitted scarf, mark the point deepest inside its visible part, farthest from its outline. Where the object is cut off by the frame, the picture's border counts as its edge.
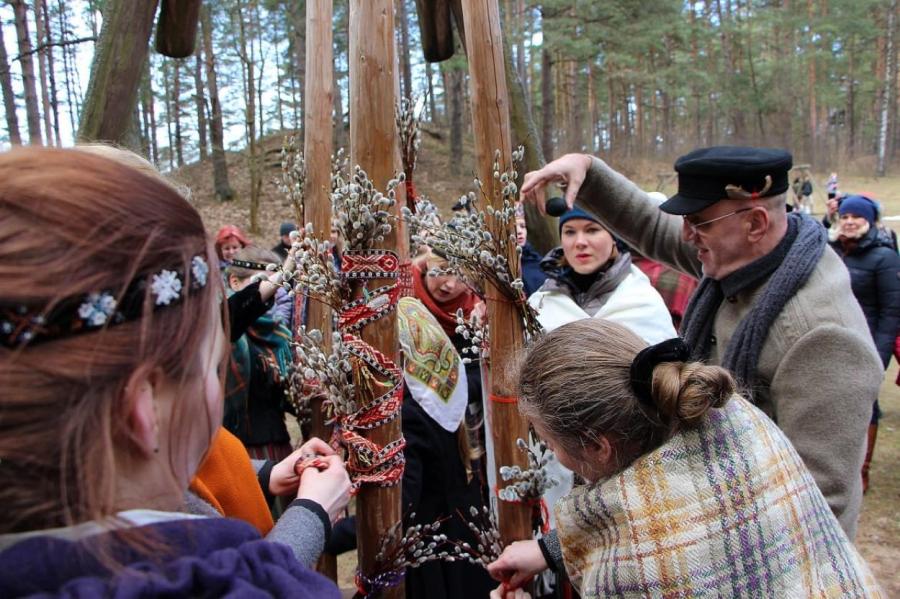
(787, 268)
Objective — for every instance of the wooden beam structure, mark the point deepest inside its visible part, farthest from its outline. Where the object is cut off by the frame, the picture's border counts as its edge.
(490, 123)
(317, 150)
(374, 146)
(176, 27)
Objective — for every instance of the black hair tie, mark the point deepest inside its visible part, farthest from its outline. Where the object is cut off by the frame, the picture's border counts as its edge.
(670, 350)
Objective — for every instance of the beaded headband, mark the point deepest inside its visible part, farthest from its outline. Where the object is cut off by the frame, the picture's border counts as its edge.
(21, 325)
(250, 265)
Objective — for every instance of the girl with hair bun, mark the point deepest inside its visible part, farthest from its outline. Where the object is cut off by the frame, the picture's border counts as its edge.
(111, 369)
(691, 491)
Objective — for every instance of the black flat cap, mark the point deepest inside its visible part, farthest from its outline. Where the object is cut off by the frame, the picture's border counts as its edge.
(704, 175)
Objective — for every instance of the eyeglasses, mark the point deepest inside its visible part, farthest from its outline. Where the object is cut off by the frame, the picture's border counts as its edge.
(695, 226)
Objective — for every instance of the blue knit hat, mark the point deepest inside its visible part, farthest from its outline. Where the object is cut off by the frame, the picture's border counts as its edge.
(860, 206)
(573, 213)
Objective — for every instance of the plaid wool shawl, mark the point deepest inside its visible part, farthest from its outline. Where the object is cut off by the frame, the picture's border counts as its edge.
(724, 510)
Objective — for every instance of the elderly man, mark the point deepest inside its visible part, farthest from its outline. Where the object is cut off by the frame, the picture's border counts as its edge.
(774, 305)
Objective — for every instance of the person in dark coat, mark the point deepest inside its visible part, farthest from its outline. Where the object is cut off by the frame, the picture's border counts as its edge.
(530, 259)
(284, 245)
(874, 270)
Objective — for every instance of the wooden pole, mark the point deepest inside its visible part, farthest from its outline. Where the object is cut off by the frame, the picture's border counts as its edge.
(490, 122)
(317, 150)
(176, 28)
(374, 146)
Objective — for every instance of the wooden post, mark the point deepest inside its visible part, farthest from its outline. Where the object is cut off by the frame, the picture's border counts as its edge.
(317, 150)
(374, 146)
(176, 28)
(490, 122)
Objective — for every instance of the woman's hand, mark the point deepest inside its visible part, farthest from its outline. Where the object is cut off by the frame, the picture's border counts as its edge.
(518, 563)
(329, 487)
(503, 592)
(283, 480)
(569, 172)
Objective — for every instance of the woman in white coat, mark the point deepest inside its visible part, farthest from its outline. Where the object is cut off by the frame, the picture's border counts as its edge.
(588, 277)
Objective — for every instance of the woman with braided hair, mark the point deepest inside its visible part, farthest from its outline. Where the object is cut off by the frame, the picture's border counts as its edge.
(691, 490)
(110, 363)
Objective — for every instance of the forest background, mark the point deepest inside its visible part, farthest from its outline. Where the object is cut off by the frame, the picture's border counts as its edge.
(635, 82)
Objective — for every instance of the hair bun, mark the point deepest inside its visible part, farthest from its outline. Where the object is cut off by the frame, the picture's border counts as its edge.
(685, 391)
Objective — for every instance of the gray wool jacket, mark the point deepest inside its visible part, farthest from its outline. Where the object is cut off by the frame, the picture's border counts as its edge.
(819, 370)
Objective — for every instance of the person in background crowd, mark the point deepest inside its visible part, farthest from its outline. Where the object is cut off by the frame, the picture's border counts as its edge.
(109, 362)
(806, 199)
(774, 306)
(875, 278)
(255, 401)
(284, 245)
(831, 187)
(691, 491)
(831, 220)
(229, 240)
(530, 259)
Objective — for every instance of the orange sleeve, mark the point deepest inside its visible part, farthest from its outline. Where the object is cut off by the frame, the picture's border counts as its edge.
(226, 480)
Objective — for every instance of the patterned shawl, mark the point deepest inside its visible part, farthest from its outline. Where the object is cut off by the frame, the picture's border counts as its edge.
(726, 510)
(433, 371)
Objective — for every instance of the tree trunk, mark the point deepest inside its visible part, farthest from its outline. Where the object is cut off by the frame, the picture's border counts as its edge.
(520, 44)
(851, 97)
(72, 99)
(224, 192)
(149, 102)
(51, 73)
(404, 50)
(885, 101)
(432, 109)
(116, 72)
(248, 71)
(375, 147)
(298, 42)
(9, 97)
(167, 98)
(40, 36)
(456, 77)
(811, 87)
(146, 130)
(542, 232)
(548, 108)
(200, 99)
(176, 106)
(32, 112)
(260, 58)
(490, 123)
